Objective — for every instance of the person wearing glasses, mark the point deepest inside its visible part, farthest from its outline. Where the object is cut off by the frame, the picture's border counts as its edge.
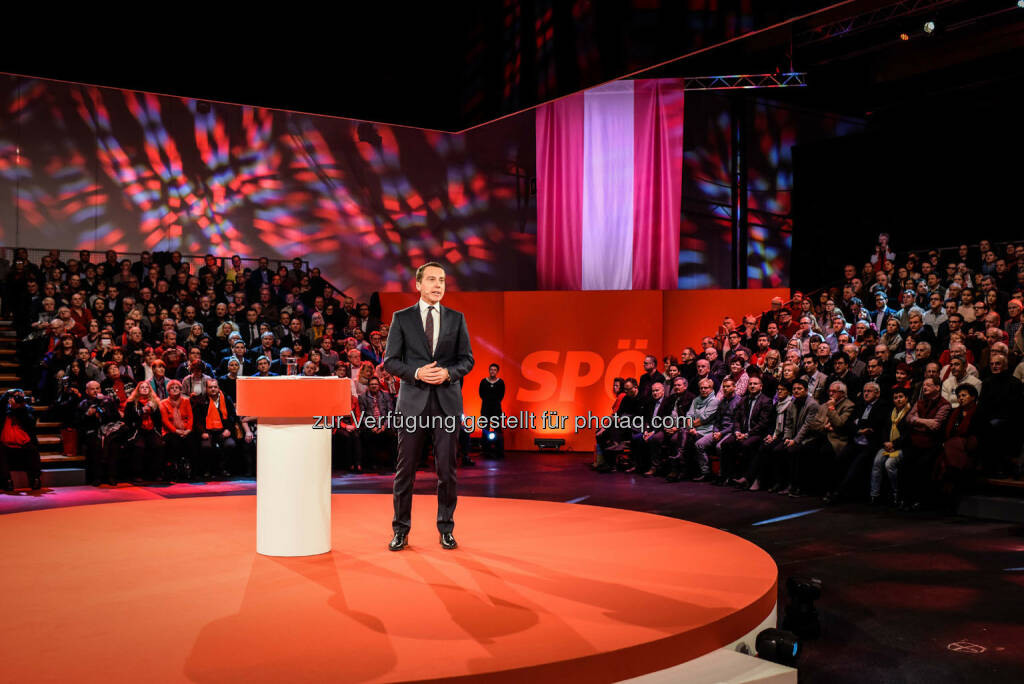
(835, 416)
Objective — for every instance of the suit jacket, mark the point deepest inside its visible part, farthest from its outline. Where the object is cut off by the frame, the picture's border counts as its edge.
(665, 410)
(647, 380)
(681, 402)
(802, 424)
(755, 415)
(365, 401)
(249, 336)
(877, 422)
(407, 349)
(839, 419)
(725, 418)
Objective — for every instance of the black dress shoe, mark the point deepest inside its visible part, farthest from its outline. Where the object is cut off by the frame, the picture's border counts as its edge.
(703, 477)
(448, 541)
(36, 484)
(9, 485)
(399, 542)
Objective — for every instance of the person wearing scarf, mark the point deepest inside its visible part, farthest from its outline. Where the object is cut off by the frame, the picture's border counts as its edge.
(142, 418)
(159, 382)
(215, 421)
(176, 419)
(114, 385)
(890, 455)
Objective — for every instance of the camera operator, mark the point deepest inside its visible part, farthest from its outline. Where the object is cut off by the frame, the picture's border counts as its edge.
(18, 439)
(95, 411)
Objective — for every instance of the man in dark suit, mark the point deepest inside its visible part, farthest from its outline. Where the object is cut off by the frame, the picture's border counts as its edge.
(428, 349)
(754, 418)
(250, 328)
(650, 458)
(240, 354)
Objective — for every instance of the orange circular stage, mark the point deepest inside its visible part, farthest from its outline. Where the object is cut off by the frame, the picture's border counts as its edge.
(174, 590)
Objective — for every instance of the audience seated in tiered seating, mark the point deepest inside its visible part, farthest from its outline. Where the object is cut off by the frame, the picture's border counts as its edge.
(917, 395)
(141, 360)
(900, 383)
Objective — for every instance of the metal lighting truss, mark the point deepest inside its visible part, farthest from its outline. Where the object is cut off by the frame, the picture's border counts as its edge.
(787, 80)
(860, 22)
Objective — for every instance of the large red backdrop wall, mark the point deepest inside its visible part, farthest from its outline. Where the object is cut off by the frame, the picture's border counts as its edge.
(559, 351)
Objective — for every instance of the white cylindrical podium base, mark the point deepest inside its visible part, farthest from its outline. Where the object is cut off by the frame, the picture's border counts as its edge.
(293, 488)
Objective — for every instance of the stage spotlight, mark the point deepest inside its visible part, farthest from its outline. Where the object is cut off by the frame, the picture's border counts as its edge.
(904, 36)
(548, 443)
(491, 436)
(778, 646)
(1020, 3)
(929, 27)
(801, 615)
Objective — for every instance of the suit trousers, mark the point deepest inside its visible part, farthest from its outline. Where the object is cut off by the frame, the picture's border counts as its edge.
(410, 446)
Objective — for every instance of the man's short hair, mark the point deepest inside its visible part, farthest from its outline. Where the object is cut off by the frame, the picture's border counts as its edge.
(798, 381)
(424, 267)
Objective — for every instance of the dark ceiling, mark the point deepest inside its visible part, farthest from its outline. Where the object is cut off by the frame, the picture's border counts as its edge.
(450, 66)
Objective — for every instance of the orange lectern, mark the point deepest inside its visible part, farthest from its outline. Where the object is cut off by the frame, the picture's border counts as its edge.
(293, 459)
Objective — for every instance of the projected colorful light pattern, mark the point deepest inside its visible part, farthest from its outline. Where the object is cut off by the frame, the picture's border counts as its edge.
(110, 169)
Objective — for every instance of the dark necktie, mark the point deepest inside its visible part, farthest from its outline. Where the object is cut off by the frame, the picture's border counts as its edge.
(429, 328)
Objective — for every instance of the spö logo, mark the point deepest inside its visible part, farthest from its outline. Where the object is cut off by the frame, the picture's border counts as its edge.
(556, 375)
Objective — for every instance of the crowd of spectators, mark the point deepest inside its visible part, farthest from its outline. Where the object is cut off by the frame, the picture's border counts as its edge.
(900, 385)
(140, 360)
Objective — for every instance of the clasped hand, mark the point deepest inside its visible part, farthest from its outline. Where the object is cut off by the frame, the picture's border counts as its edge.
(433, 374)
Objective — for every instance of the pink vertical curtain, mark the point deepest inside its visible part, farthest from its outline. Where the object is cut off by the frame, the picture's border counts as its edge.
(657, 182)
(609, 177)
(560, 194)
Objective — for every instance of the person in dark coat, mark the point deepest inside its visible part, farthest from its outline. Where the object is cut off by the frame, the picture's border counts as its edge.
(957, 461)
(18, 439)
(95, 411)
(213, 423)
(142, 434)
(754, 418)
(492, 391)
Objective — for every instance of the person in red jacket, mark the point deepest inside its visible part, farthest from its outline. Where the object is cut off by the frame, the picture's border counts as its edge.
(925, 425)
(176, 416)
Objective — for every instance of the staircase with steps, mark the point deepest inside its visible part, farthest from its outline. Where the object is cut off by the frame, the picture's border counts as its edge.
(58, 469)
